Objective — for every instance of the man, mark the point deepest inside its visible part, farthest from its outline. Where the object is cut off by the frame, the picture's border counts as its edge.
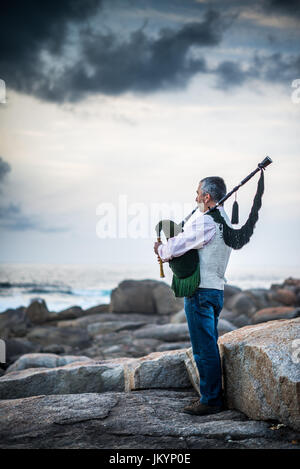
(203, 308)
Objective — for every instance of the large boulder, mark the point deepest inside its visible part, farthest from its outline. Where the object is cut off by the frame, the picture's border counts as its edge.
(144, 296)
(273, 313)
(242, 303)
(73, 378)
(64, 375)
(284, 296)
(158, 370)
(37, 312)
(261, 366)
(229, 291)
(18, 346)
(14, 323)
(238, 320)
(48, 335)
(225, 326)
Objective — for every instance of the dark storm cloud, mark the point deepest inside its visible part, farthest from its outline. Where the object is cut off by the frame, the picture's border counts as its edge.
(286, 7)
(30, 27)
(35, 41)
(139, 63)
(274, 68)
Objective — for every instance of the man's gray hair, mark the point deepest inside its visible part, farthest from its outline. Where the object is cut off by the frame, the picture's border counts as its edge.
(214, 186)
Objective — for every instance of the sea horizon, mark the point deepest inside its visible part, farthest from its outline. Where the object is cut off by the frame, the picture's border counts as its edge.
(87, 285)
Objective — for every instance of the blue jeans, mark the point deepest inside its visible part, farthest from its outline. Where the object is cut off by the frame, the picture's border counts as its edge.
(202, 312)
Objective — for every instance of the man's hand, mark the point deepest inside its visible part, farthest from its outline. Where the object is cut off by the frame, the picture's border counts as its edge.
(156, 247)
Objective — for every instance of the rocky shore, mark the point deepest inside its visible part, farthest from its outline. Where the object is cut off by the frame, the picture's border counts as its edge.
(118, 375)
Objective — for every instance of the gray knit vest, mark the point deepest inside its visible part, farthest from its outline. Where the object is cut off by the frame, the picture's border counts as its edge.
(214, 258)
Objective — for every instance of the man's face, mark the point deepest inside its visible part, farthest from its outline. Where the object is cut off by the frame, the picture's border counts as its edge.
(201, 199)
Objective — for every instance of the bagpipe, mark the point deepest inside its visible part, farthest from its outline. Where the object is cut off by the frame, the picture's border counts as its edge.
(186, 268)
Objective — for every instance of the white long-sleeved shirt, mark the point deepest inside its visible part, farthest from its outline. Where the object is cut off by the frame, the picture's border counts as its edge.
(197, 233)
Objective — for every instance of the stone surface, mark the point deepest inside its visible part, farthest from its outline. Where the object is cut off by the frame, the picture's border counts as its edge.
(48, 335)
(37, 312)
(165, 332)
(17, 347)
(37, 374)
(44, 360)
(225, 326)
(230, 290)
(242, 303)
(74, 378)
(144, 296)
(14, 323)
(285, 296)
(144, 419)
(179, 317)
(262, 370)
(272, 313)
(112, 326)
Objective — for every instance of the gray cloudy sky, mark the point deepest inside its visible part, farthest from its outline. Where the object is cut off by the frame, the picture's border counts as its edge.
(137, 100)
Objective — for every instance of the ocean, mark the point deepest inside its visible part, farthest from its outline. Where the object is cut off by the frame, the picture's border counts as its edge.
(63, 286)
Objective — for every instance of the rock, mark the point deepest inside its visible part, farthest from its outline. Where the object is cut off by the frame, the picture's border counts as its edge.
(49, 335)
(290, 281)
(37, 312)
(144, 296)
(261, 371)
(165, 332)
(260, 297)
(179, 317)
(241, 303)
(80, 322)
(156, 370)
(14, 322)
(73, 378)
(279, 312)
(44, 360)
(73, 312)
(238, 320)
(147, 419)
(55, 348)
(229, 291)
(284, 296)
(17, 347)
(99, 309)
(225, 326)
(112, 326)
(173, 346)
